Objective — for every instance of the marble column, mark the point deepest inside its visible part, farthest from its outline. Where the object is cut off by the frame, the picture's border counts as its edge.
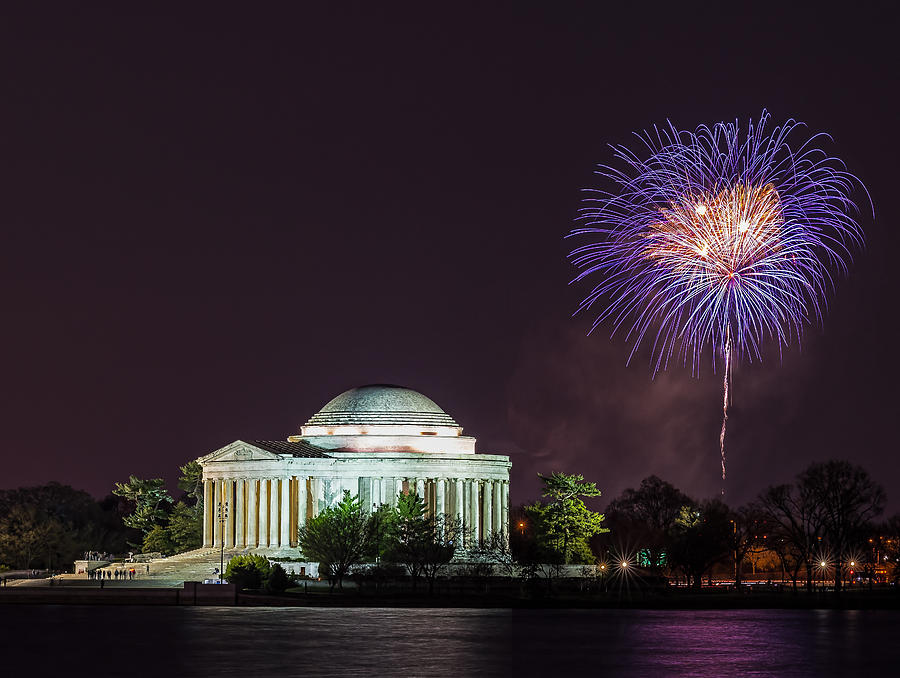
(319, 503)
(252, 513)
(487, 510)
(498, 506)
(504, 513)
(387, 491)
(473, 512)
(364, 493)
(458, 501)
(273, 513)
(208, 507)
(285, 513)
(240, 513)
(420, 488)
(302, 501)
(263, 536)
(440, 496)
(398, 490)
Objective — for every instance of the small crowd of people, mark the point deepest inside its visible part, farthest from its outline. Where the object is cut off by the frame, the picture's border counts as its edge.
(117, 574)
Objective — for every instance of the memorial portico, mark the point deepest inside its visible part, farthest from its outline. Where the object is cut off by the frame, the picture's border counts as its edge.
(375, 442)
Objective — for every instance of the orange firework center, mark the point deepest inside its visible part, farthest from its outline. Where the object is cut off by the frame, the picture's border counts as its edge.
(720, 235)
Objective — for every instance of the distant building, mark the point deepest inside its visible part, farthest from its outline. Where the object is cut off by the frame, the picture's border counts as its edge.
(373, 441)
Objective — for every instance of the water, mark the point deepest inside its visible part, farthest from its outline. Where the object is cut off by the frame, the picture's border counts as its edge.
(207, 641)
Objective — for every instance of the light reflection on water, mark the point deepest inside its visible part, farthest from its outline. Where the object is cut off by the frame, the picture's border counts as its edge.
(206, 641)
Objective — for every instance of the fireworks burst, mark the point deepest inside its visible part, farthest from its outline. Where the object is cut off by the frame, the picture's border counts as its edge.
(716, 241)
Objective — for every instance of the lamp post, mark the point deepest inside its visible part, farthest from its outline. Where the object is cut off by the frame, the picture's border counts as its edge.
(734, 544)
(222, 514)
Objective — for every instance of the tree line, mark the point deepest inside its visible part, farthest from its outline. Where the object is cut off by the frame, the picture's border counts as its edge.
(822, 525)
(50, 526)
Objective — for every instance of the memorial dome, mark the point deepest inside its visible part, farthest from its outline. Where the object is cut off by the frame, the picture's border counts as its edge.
(381, 405)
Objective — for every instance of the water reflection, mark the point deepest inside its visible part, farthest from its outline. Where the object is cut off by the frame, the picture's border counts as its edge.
(158, 641)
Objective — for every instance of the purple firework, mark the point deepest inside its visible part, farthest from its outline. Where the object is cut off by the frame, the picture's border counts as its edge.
(714, 242)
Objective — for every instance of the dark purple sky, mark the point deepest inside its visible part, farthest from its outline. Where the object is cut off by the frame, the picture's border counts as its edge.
(213, 222)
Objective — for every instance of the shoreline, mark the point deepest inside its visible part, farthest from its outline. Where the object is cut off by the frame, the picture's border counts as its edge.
(713, 600)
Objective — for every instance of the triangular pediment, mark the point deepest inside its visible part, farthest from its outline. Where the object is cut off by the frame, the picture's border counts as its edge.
(239, 450)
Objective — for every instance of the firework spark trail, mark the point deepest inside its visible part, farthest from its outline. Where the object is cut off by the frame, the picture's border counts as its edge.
(726, 380)
(716, 242)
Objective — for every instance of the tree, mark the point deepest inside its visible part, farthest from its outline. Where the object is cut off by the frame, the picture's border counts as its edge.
(848, 500)
(564, 524)
(424, 544)
(150, 499)
(495, 551)
(746, 524)
(158, 540)
(647, 515)
(191, 482)
(26, 533)
(248, 571)
(338, 538)
(384, 519)
(701, 538)
(54, 524)
(186, 527)
(795, 518)
(278, 580)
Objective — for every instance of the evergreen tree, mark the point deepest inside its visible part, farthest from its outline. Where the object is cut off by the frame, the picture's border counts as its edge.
(150, 499)
(563, 525)
(158, 540)
(191, 483)
(186, 527)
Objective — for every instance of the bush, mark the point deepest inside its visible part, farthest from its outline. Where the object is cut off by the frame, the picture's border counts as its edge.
(248, 572)
(278, 580)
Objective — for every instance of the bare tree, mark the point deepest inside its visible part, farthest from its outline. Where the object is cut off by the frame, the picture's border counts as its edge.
(648, 515)
(746, 524)
(797, 525)
(847, 500)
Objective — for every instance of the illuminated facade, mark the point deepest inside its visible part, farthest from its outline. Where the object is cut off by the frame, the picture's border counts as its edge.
(375, 442)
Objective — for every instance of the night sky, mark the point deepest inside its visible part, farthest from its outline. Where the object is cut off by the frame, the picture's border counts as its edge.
(215, 221)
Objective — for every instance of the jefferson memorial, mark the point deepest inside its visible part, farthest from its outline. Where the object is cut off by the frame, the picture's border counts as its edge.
(375, 442)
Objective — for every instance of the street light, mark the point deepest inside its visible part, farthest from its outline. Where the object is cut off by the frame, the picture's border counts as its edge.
(222, 514)
(734, 552)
